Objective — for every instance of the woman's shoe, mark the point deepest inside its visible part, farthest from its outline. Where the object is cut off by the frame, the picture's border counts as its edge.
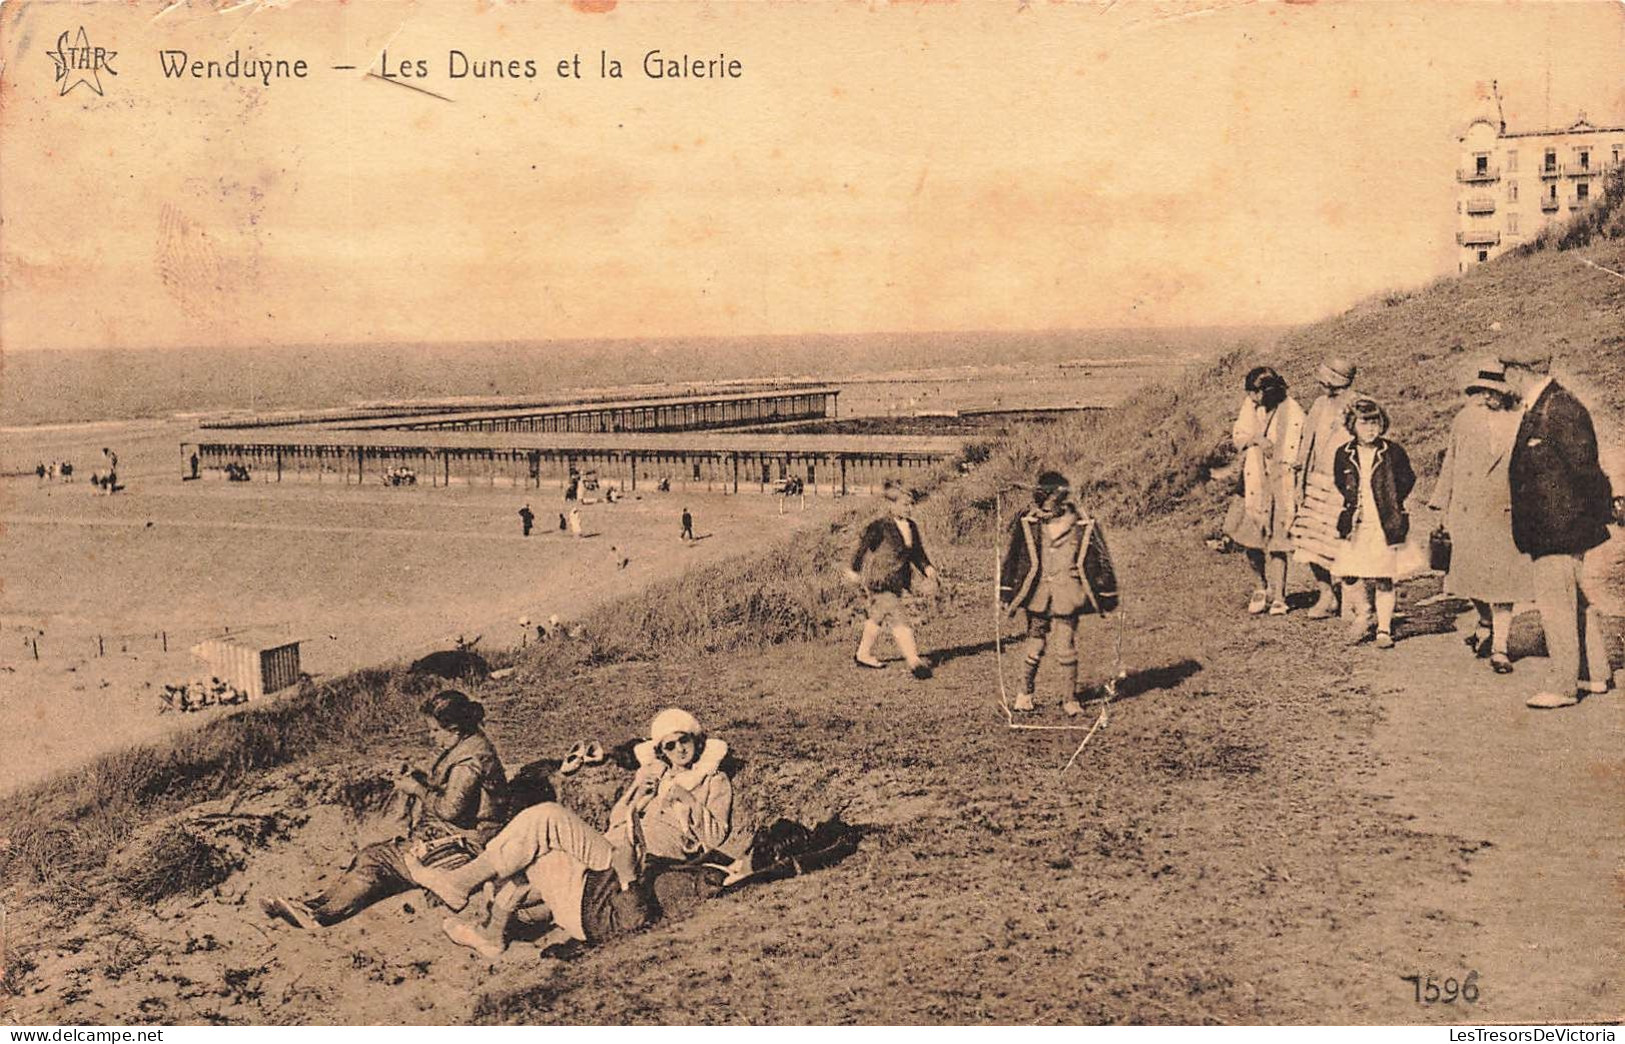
(1385, 640)
(1593, 688)
(593, 753)
(873, 665)
(1260, 601)
(1500, 663)
(464, 934)
(573, 760)
(1279, 609)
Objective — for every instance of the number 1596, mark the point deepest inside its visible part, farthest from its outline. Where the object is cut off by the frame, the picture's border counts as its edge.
(1431, 991)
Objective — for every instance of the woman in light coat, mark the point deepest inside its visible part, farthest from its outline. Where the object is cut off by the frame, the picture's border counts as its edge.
(1268, 427)
(1473, 492)
(1315, 542)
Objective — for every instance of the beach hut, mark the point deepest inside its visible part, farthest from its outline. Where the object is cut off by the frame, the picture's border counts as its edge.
(254, 667)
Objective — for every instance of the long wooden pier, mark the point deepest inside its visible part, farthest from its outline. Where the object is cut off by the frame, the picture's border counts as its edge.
(726, 461)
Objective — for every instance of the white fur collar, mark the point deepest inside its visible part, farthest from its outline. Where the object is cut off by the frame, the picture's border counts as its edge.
(709, 761)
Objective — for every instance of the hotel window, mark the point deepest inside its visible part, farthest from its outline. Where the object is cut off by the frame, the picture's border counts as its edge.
(1512, 192)
(1550, 161)
(1481, 163)
(1582, 190)
(1512, 160)
(1512, 224)
(1583, 158)
(1483, 255)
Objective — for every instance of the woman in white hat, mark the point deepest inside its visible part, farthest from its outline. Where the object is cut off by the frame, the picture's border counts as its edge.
(1476, 498)
(1314, 527)
(679, 807)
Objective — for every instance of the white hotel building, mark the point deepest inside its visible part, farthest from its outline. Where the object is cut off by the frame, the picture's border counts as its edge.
(1510, 185)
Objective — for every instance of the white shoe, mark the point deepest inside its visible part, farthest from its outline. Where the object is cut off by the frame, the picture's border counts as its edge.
(1260, 602)
(1024, 701)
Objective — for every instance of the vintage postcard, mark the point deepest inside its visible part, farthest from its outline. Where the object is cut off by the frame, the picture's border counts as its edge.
(978, 513)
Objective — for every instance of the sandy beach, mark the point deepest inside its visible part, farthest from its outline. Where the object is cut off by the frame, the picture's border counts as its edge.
(115, 590)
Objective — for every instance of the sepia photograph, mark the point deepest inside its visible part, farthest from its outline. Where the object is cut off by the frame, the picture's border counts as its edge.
(763, 513)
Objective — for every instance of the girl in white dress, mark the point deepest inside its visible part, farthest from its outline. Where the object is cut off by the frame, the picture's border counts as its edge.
(1374, 475)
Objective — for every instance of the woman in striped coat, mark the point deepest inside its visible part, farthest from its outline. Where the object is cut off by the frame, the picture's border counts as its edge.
(1314, 529)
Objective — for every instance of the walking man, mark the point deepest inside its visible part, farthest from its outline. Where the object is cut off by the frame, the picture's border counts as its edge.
(688, 526)
(1561, 504)
(527, 519)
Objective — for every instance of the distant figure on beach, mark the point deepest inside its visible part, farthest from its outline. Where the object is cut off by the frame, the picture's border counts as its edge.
(688, 526)
(1476, 499)
(1375, 477)
(563, 525)
(889, 553)
(575, 521)
(39, 469)
(451, 811)
(67, 471)
(1561, 505)
(1267, 431)
(527, 519)
(1314, 527)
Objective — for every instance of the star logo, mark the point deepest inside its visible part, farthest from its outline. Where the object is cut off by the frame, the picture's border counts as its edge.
(79, 62)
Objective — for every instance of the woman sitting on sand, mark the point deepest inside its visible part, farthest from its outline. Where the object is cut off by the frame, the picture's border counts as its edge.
(678, 809)
(452, 811)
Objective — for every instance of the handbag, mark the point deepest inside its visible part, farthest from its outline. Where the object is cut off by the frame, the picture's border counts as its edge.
(1439, 548)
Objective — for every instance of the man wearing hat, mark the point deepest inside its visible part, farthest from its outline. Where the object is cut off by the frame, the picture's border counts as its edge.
(891, 551)
(1315, 541)
(1561, 504)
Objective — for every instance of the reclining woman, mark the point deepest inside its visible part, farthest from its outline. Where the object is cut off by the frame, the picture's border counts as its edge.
(678, 809)
(452, 811)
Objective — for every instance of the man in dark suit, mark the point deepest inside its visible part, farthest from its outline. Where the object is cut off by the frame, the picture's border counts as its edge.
(1561, 504)
(890, 552)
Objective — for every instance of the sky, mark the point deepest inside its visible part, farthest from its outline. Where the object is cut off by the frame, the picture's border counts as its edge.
(976, 165)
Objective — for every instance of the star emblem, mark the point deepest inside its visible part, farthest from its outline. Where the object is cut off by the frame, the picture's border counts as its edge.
(80, 63)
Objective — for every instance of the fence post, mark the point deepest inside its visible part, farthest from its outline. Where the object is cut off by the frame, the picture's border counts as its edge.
(166, 641)
(35, 642)
(101, 650)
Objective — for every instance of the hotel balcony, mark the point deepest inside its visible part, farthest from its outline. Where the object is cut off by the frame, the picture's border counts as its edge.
(1553, 171)
(1548, 203)
(1580, 202)
(1582, 172)
(1474, 177)
(1478, 237)
(1481, 205)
